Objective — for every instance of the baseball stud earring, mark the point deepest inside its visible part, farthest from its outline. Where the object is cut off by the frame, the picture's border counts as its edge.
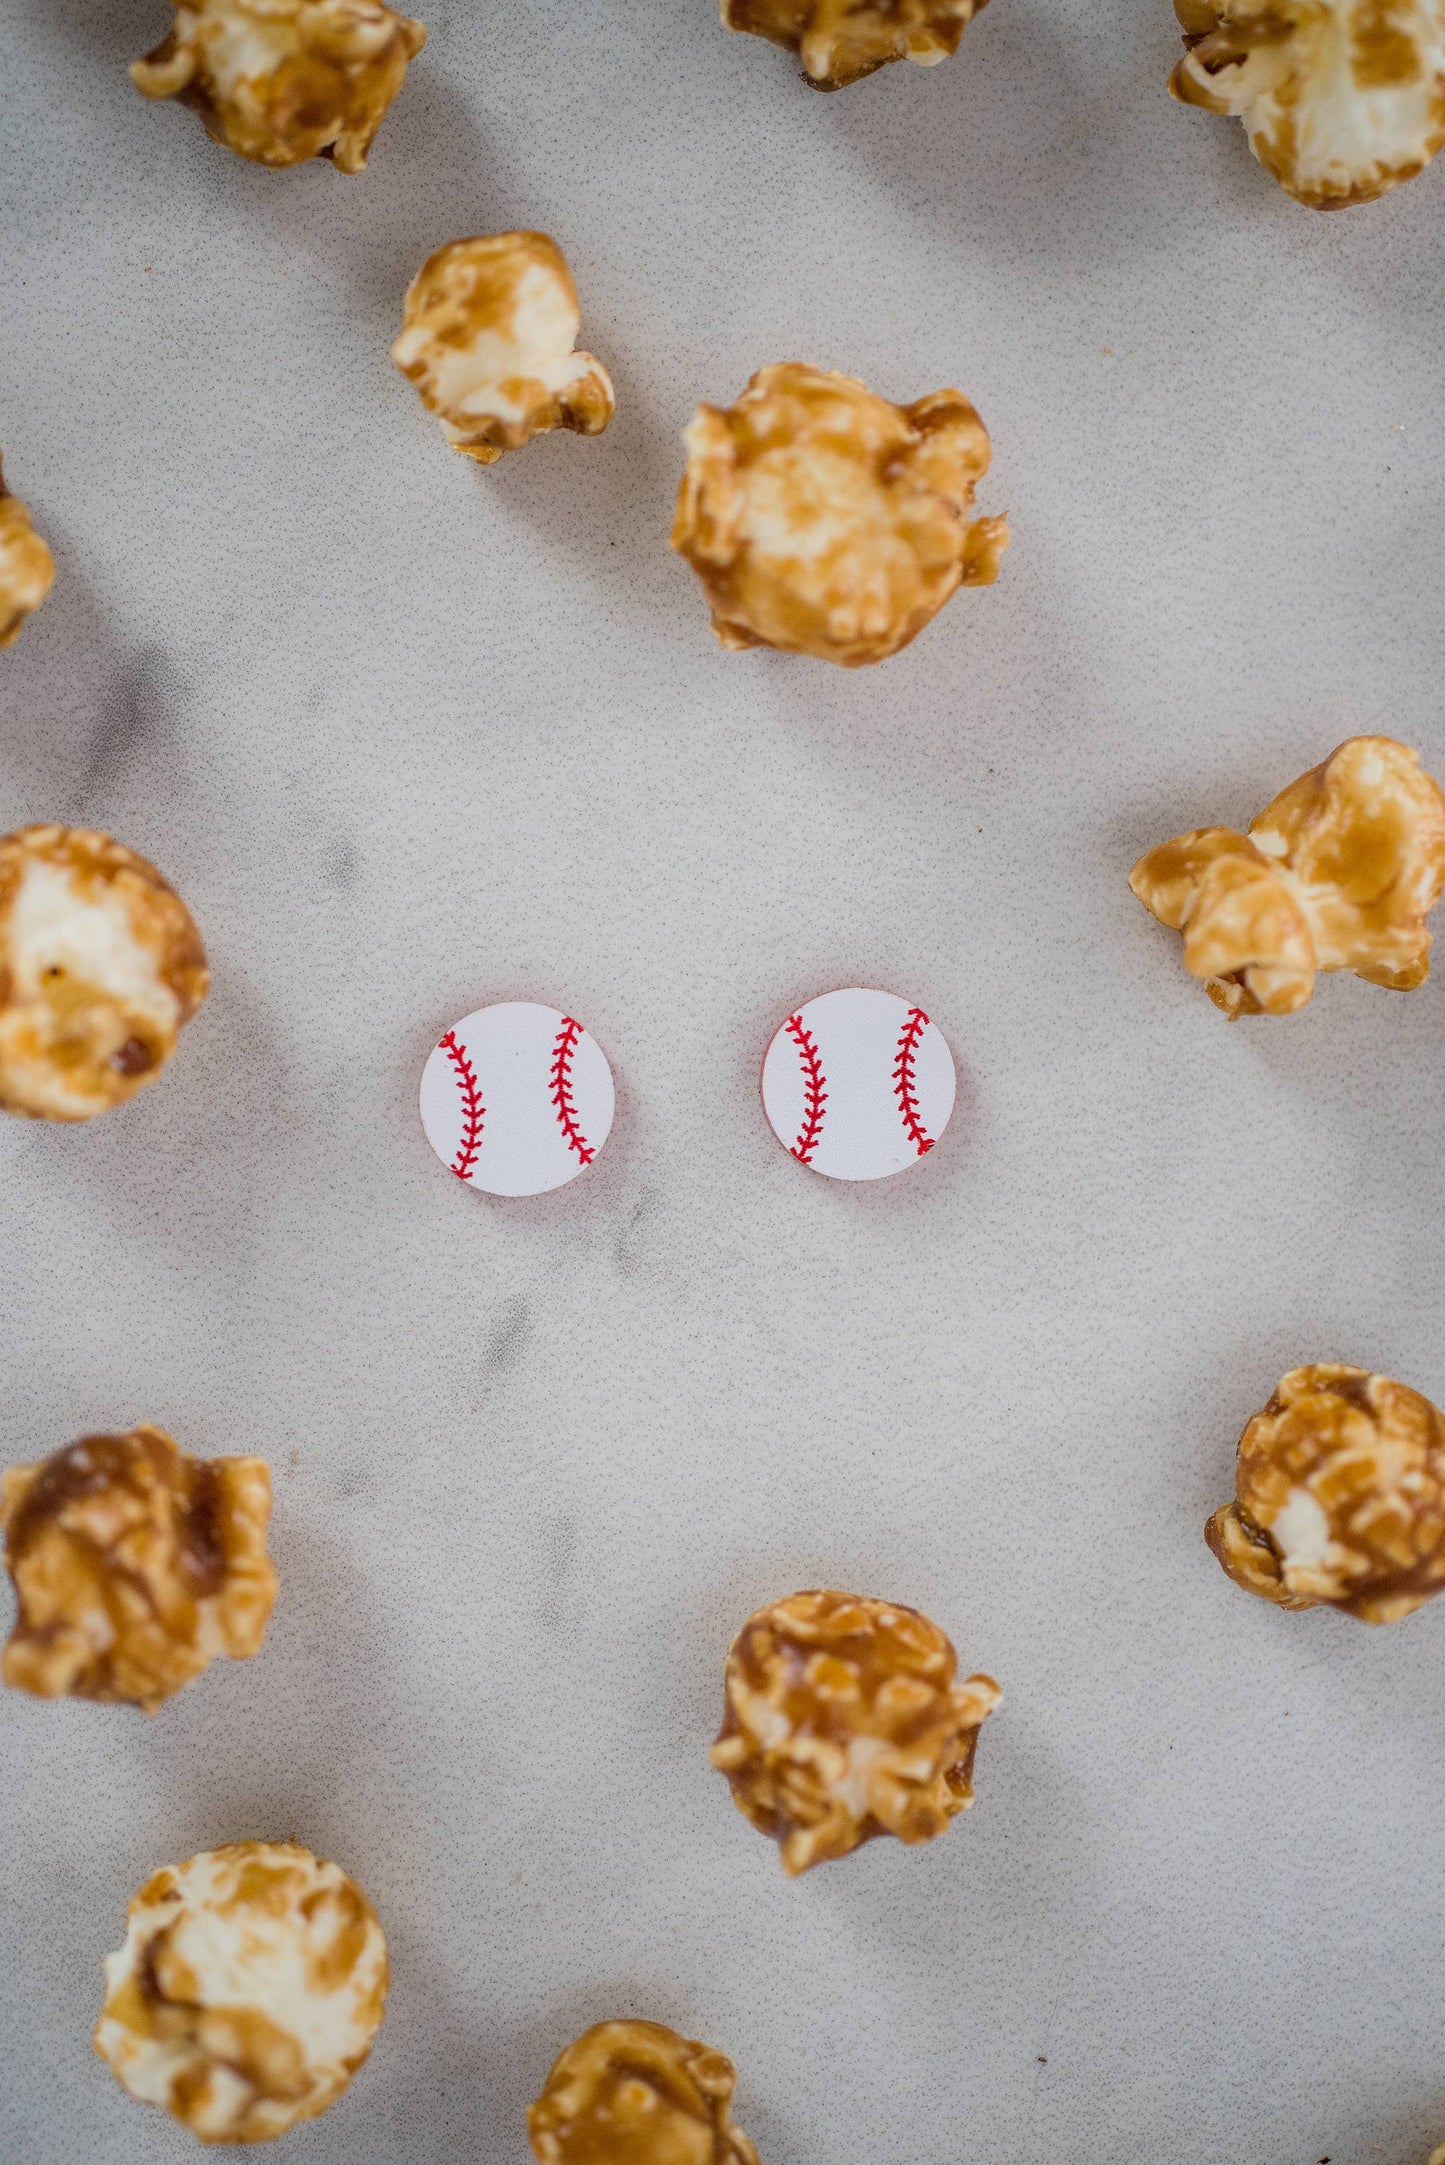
(517, 1098)
(858, 1084)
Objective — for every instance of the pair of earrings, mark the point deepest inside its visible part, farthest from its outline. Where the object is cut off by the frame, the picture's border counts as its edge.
(518, 1098)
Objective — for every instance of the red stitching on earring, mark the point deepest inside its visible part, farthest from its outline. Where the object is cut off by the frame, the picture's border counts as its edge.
(473, 1110)
(815, 1097)
(905, 1082)
(567, 1120)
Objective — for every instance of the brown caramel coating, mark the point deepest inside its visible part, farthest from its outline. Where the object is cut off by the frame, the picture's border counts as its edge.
(1339, 1497)
(489, 339)
(1342, 99)
(250, 1987)
(101, 966)
(1338, 873)
(635, 2093)
(841, 41)
(134, 1566)
(823, 520)
(27, 568)
(281, 81)
(842, 1720)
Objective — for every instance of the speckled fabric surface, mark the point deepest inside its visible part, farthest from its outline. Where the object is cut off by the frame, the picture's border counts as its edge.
(408, 737)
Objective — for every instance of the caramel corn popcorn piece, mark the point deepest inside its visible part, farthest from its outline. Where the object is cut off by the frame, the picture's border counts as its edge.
(842, 1720)
(134, 1566)
(1339, 1497)
(823, 520)
(1339, 873)
(1342, 99)
(635, 2093)
(249, 1989)
(281, 81)
(489, 338)
(27, 568)
(101, 966)
(841, 41)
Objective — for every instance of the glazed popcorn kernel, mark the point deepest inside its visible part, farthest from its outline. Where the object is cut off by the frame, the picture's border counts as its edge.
(840, 41)
(842, 1720)
(134, 1566)
(248, 1992)
(1342, 99)
(1339, 1497)
(280, 81)
(822, 520)
(635, 2093)
(27, 567)
(100, 967)
(1338, 873)
(489, 339)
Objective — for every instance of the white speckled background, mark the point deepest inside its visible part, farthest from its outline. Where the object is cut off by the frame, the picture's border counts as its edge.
(409, 736)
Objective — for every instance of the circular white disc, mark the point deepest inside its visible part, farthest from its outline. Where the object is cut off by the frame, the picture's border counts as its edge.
(858, 1084)
(517, 1098)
